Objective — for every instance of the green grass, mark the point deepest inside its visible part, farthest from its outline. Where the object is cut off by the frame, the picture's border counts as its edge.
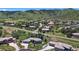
(20, 45)
(36, 47)
(72, 42)
(6, 47)
(62, 38)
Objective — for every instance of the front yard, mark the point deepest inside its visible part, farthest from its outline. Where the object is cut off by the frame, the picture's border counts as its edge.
(6, 47)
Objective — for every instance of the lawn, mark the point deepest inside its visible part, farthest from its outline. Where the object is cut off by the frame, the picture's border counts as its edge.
(6, 47)
(69, 41)
(35, 47)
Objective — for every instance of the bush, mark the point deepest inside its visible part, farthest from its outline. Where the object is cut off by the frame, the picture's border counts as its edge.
(6, 47)
(19, 34)
(1, 31)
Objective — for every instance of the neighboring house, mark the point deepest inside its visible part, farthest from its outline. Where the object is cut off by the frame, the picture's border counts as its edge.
(67, 27)
(7, 40)
(1, 24)
(75, 35)
(23, 26)
(76, 26)
(34, 40)
(46, 29)
(61, 46)
(40, 25)
(50, 23)
(67, 23)
(9, 23)
(32, 26)
(26, 41)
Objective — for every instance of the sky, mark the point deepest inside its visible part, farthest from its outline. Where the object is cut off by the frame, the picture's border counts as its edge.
(24, 9)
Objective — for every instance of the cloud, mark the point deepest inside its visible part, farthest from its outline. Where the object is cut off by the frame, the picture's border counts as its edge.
(1, 9)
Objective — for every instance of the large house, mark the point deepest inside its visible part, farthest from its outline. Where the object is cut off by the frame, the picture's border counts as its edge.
(61, 46)
(7, 40)
(75, 35)
(33, 40)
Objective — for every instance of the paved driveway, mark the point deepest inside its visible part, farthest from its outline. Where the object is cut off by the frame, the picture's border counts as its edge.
(47, 47)
(25, 45)
(15, 46)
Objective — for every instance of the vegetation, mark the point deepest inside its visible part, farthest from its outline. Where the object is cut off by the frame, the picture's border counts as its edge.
(1, 28)
(6, 47)
(19, 34)
(70, 41)
(24, 19)
(35, 46)
(65, 14)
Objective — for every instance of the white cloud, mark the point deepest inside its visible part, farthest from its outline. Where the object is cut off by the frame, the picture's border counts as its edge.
(4, 10)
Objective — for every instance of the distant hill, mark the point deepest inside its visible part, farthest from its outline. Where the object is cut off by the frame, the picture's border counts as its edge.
(62, 14)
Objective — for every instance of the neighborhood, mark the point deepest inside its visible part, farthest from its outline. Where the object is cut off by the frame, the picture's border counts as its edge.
(39, 30)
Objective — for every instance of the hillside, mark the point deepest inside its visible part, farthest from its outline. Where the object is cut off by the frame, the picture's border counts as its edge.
(56, 14)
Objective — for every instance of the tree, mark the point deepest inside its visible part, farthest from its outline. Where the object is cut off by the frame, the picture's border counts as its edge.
(1, 28)
(19, 34)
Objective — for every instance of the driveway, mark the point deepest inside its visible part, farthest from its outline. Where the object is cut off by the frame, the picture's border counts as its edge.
(46, 48)
(15, 46)
(25, 45)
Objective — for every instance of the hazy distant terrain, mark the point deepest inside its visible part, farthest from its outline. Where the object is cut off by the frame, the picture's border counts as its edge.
(65, 14)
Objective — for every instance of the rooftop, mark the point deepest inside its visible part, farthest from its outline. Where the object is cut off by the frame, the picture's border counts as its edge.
(75, 34)
(35, 39)
(6, 38)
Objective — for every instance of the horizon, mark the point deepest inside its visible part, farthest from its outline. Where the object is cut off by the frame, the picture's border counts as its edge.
(26, 9)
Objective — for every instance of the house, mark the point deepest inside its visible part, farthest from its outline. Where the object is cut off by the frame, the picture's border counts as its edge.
(46, 29)
(26, 41)
(23, 26)
(50, 23)
(9, 23)
(61, 46)
(67, 27)
(7, 40)
(33, 40)
(32, 26)
(75, 35)
(1, 24)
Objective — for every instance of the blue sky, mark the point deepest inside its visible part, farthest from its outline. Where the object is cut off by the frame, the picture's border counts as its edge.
(24, 9)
